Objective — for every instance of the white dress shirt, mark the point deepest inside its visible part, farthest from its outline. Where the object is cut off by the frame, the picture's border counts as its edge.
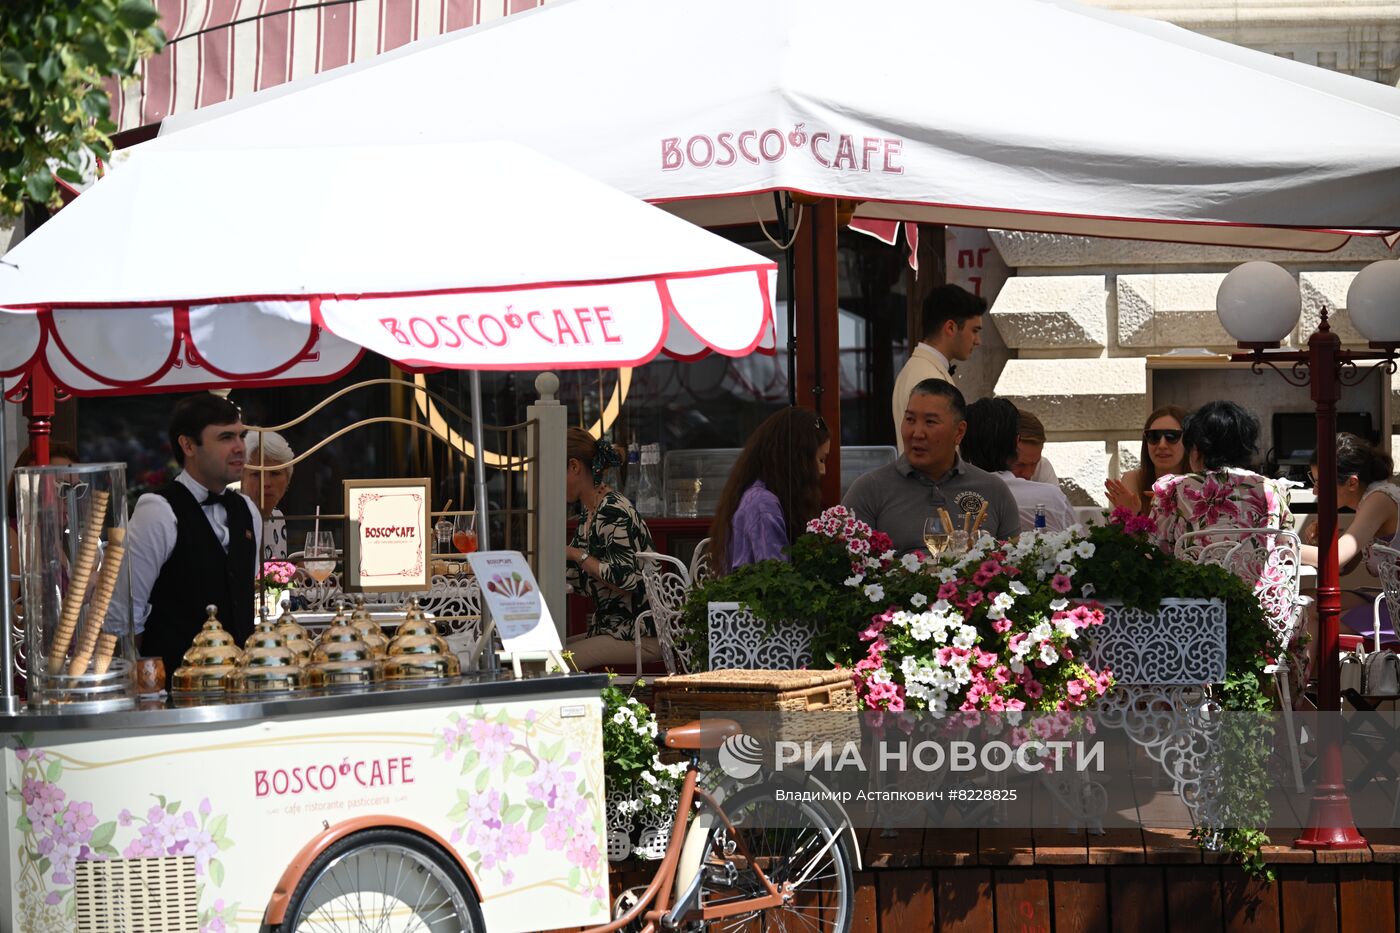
(150, 540)
(1044, 472)
(1059, 514)
(924, 363)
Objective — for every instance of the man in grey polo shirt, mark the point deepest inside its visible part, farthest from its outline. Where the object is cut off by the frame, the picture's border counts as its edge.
(930, 475)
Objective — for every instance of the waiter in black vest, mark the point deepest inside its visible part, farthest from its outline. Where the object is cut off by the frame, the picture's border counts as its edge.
(194, 543)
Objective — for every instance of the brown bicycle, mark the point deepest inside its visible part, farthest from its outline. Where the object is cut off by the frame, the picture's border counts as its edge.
(761, 857)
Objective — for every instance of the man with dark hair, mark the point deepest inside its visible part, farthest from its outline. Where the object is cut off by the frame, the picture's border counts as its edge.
(194, 543)
(930, 475)
(990, 443)
(952, 330)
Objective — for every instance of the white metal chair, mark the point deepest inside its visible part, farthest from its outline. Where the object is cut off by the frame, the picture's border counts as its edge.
(1388, 569)
(1270, 560)
(701, 569)
(667, 584)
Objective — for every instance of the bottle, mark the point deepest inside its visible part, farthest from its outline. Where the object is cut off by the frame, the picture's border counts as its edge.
(648, 502)
(1039, 517)
(634, 472)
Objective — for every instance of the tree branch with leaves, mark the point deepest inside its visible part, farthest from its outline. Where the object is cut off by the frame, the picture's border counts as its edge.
(54, 57)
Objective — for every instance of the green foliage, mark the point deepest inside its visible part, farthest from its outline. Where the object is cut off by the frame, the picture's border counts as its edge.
(54, 55)
(822, 584)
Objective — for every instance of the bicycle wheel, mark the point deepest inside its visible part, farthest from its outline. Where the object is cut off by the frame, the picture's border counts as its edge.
(788, 840)
(383, 881)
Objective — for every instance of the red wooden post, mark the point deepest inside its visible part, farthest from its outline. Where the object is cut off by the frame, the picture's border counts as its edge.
(1330, 821)
(39, 407)
(818, 336)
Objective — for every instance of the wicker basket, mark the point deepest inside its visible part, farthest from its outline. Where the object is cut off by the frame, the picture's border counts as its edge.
(799, 697)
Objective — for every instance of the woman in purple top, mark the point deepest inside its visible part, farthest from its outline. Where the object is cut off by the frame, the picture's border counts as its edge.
(773, 490)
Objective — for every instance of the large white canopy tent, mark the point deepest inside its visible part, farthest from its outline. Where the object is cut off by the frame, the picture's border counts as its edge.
(1021, 114)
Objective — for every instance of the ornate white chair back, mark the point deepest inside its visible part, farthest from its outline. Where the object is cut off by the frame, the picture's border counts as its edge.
(667, 584)
(700, 567)
(1268, 559)
(1388, 569)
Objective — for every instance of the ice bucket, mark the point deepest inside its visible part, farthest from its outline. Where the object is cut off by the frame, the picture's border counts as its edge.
(77, 603)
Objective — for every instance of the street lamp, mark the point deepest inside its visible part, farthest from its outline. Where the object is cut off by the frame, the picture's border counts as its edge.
(1259, 304)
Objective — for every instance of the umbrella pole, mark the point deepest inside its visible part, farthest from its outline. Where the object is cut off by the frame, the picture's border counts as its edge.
(483, 512)
(486, 655)
(9, 703)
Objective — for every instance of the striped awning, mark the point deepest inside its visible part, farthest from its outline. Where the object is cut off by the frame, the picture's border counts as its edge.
(221, 49)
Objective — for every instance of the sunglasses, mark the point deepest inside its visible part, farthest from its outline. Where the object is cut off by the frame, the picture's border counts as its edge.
(76, 490)
(1156, 437)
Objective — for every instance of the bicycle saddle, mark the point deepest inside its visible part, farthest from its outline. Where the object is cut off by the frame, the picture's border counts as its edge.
(700, 734)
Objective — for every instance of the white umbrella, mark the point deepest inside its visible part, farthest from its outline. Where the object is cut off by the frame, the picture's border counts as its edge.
(190, 269)
(1043, 116)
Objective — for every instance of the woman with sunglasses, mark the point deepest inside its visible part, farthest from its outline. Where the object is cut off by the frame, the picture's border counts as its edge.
(1162, 454)
(1221, 492)
(1364, 485)
(773, 490)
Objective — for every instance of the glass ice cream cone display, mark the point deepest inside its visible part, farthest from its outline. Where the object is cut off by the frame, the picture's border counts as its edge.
(77, 603)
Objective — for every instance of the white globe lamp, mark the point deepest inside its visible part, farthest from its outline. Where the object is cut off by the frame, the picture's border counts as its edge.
(1259, 304)
(1373, 302)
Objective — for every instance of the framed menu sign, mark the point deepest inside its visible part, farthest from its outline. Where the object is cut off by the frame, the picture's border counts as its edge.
(386, 535)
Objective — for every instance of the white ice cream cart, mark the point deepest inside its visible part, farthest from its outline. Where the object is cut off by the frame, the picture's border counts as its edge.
(476, 801)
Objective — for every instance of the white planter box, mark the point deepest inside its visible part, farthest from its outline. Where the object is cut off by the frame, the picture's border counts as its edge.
(1183, 643)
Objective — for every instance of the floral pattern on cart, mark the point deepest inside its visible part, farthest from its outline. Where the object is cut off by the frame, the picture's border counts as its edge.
(57, 833)
(557, 816)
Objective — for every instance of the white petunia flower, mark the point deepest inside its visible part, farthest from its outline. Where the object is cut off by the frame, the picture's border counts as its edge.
(855, 580)
(1049, 653)
(1019, 588)
(918, 599)
(1085, 549)
(875, 592)
(1057, 605)
(910, 562)
(1087, 589)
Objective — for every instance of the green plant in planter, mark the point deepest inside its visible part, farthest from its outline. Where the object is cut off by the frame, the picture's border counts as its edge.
(829, 582)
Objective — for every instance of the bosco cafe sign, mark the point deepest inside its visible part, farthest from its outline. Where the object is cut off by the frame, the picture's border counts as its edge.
(583, 326)
(841, 152)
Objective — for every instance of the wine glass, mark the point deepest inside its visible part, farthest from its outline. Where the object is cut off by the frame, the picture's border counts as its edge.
(464, 533)
(318, 557)
(938, 535)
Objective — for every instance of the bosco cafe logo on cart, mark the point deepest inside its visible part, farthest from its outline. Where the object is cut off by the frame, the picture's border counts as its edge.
(840, 152)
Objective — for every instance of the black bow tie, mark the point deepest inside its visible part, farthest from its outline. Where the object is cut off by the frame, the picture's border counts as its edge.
(952, 370)
(225, 498)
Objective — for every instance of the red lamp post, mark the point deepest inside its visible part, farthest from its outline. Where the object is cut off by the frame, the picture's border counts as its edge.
(1261, 299)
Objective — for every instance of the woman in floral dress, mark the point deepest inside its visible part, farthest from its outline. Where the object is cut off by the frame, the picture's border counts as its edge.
(1221, 492)
(602, 559)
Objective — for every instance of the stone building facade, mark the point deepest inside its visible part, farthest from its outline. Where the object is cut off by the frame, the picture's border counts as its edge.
(1076, 318)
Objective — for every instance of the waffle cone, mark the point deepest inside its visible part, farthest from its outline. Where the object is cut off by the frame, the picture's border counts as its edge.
(78, 582)
(106, 647)
(97, 609)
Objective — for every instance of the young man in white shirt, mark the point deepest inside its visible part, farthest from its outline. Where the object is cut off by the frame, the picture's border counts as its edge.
(952, 318)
